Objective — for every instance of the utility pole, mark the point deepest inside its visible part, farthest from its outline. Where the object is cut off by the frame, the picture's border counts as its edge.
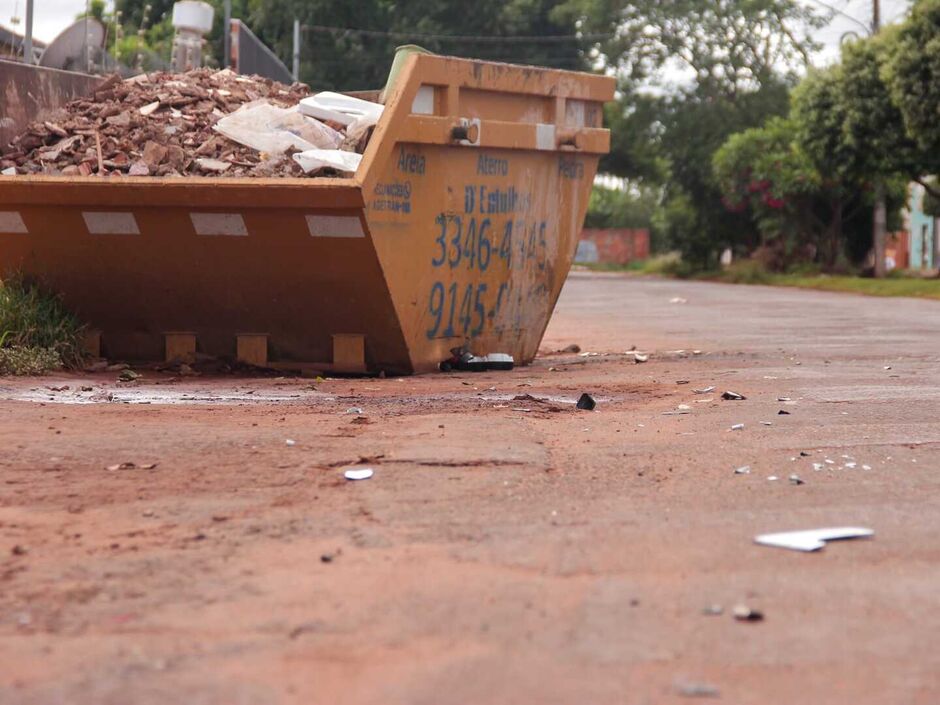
(880, 225)
(28, 35)
(296, 50)
(227, 34)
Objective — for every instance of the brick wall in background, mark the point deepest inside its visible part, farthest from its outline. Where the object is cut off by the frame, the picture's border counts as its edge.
(613, 245)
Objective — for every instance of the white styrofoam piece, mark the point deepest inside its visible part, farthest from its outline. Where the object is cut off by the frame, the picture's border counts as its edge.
(812, 539)
(314, 159)
(339, 108)
(358, 474)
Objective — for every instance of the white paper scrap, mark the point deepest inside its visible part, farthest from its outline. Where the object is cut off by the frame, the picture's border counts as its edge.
(812, 539)
(358, 474)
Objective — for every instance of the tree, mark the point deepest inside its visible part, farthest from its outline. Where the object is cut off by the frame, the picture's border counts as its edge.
(629, 207)
(350, 45)
(912, 73)
(694, 128)
(726, 46)
(736, 61)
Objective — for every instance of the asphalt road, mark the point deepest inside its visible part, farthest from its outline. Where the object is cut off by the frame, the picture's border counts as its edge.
(506, 550)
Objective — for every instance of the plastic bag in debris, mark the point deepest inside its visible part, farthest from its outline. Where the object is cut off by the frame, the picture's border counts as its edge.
(314, 159)
(340, 108)
(275, 130)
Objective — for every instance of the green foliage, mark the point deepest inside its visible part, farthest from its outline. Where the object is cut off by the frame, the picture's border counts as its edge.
(669, 264)
(873, 128)
(913, 75)
(762, 172)
(695, 127)
(746, 271)
(357, 60)
(35, 325)
(807, 182)
(621, 208)
(726, 46)
(96, 9)
(634, 127)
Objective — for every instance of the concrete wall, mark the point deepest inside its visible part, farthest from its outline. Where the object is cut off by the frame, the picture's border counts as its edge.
(923, 230)
(613, 246)
(29, 92)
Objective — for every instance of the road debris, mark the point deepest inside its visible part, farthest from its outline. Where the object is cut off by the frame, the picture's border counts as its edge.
(795, 480)
(812, 539)
(358, 474)
(783, 412)
(703, 390)
(586, 402)
(737, 427)
(131, 466)
(128, 376)
(697, 690)
(678, 300)
(713, 610)
(354, 410)
(743, 470)
(290, 442)
(772, 478)
(732, 396)
(743, 613)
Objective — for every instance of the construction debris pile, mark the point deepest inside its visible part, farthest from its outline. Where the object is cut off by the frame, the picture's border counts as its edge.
(201, 123)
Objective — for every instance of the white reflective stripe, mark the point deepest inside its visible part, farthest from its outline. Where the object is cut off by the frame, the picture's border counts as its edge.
(423, 104)
(99, 223)
(544, 136)
(335, 226)
(218, 224)
(12, 222)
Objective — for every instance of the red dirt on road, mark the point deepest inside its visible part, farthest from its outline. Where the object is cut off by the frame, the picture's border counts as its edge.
(505, 550)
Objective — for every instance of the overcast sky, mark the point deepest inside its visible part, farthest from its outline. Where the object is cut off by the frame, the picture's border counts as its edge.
(52, 16)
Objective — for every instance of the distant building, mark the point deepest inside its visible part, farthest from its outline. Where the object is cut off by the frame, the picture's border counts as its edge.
(923, 231)
(11, 46)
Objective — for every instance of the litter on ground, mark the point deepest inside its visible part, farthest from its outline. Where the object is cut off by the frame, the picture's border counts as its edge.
(812, 539)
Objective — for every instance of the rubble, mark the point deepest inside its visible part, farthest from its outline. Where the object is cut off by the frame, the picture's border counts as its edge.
(586, 402)
(164, 124)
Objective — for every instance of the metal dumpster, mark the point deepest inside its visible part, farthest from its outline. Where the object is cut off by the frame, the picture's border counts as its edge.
(459, 228)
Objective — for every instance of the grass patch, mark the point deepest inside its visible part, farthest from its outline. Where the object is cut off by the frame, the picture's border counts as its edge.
(897, 283)
(891, 286)
(635, 266)
(37, 332)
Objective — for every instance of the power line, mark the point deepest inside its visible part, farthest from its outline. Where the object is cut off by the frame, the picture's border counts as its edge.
(482, 39)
